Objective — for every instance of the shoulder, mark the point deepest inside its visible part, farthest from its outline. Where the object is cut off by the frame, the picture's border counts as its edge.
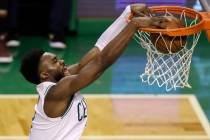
(44, 87)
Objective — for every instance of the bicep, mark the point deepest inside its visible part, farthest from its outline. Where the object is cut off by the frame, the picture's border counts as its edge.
(86, 76)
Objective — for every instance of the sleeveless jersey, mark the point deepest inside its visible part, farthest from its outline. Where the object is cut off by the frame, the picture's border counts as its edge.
(69, 126)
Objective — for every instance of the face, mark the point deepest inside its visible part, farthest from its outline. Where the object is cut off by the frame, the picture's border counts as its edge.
(51, 67)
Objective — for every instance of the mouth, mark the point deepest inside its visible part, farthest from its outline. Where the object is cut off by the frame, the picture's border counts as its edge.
(65, 69)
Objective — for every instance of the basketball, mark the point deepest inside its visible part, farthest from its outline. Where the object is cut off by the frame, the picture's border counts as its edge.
(169, 44)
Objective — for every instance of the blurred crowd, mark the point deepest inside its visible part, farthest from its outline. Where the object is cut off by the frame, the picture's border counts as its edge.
(57, 13)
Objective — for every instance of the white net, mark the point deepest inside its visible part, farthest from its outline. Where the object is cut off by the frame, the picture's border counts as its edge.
(171, 69)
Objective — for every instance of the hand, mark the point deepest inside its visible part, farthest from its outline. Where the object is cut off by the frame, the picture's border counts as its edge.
(66, 71)
(151, 22)
(168, 22)
(141, 10)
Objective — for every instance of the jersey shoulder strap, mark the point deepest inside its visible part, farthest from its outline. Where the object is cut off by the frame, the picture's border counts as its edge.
(43, 88)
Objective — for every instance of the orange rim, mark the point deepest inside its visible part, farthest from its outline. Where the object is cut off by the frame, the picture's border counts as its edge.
(204, 21)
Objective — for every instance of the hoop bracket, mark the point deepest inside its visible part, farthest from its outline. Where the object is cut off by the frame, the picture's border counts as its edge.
(206, 25)
(206, 18)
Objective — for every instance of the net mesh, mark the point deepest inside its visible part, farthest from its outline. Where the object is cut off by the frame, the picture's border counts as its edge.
(172, 69)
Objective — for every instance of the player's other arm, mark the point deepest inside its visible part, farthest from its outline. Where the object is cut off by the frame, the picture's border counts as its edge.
(75, 68)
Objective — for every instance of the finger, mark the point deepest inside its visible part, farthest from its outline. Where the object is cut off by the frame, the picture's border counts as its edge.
(137, 9)
(141, 21)
(151, 13)
(138, 6)
(159, 22)
(144, 12)
(147, 12)
(139, 14)
(158, 25)
(160, 19)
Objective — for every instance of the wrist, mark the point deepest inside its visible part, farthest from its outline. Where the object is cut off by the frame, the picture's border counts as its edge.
(133, 24)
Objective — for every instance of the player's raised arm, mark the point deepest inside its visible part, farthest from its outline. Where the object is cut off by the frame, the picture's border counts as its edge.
(110, 51)
(114, 29)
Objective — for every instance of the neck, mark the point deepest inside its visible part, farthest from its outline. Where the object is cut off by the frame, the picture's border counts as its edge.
(49, 80)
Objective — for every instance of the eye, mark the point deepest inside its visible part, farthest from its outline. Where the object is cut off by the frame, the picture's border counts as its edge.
(55, 60)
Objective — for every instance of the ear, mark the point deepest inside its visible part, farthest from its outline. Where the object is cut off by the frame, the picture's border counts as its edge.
(44, 75)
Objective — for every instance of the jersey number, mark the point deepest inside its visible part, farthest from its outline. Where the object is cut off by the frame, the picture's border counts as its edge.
(82, 110)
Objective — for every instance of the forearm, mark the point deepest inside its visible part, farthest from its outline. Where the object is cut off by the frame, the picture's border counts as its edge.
(108, 55)
(93, 53)
(115, 48)
(91, 71)
(75, 68)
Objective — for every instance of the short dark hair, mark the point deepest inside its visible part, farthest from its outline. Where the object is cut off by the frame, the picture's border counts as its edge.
(30, 64)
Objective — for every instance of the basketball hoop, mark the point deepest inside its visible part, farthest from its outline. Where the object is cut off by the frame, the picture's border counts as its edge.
(172, 69)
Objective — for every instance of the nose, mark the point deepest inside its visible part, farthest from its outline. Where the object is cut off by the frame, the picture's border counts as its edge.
(62, 61)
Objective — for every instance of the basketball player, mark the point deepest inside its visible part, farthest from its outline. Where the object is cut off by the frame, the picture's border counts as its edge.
(61, 112)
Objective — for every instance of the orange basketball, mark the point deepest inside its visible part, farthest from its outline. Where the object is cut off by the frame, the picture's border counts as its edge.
(169, 44)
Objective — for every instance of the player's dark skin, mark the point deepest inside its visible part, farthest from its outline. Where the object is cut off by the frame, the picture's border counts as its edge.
(70, 79)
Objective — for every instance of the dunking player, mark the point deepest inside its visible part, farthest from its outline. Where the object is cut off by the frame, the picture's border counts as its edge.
(61, 112)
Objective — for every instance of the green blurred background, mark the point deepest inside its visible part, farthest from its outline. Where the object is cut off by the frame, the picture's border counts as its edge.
(89, 18)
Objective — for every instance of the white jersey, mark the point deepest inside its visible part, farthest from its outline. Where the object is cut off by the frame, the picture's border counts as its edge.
(67, 127)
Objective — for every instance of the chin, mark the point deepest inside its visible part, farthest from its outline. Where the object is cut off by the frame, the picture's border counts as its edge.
(59, 77)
